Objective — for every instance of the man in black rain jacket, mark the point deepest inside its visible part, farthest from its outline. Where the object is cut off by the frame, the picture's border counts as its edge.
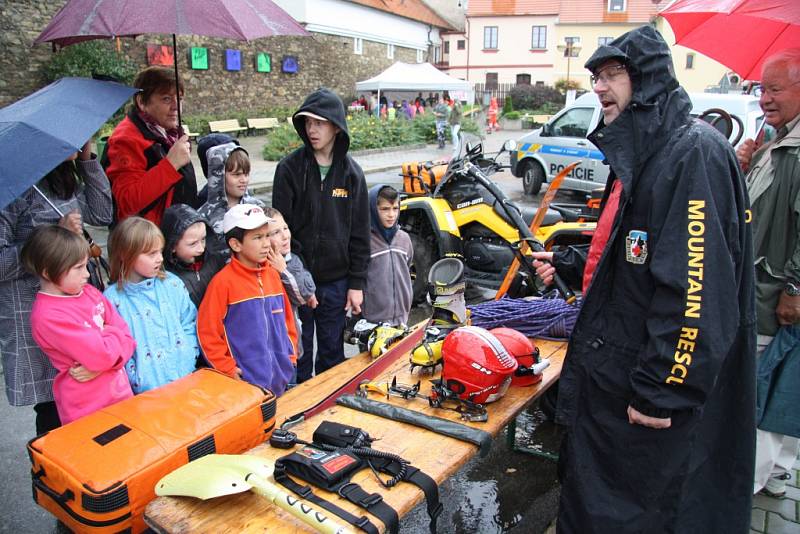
(657, 390)
(322, 194)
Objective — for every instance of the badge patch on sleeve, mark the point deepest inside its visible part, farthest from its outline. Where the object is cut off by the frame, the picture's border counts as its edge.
(636, 247)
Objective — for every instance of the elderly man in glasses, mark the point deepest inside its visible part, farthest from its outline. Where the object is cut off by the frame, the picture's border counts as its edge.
(773, 181)
(657, 390)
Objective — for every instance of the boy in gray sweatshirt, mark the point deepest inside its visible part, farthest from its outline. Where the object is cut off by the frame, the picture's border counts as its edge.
(387, 296)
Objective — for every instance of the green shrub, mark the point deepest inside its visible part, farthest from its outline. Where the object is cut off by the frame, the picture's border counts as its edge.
(367, 132)
(508, 105)
(90, 57)
(536, 96)
(281, 141)
(512, 115)
(562, 85)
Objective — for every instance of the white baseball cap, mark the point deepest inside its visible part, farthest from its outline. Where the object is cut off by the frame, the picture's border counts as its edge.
(312, 115)
(244, 216)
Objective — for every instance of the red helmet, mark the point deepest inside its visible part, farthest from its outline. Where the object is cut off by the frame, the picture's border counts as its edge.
(521, 348)
(476, 366)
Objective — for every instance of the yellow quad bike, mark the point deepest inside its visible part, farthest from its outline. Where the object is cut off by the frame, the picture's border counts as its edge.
(456, 210)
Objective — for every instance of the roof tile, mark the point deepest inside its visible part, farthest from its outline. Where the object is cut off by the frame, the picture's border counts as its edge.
(511, 7)
(410, 9)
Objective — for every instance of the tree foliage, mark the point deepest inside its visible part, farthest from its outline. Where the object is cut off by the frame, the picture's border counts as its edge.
(97, 57)
(536, 97)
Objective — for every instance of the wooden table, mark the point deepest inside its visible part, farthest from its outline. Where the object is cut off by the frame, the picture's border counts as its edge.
(438, 456)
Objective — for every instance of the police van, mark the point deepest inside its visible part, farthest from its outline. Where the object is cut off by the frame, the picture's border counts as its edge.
(543, 153)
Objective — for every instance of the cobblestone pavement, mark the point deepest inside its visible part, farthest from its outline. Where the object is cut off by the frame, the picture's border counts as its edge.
(778, 516)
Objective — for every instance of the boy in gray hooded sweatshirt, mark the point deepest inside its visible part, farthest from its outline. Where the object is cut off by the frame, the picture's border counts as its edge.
(387, 296)
(228, 178)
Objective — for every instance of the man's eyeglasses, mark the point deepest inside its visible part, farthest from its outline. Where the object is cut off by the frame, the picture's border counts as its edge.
(776, 91)
(607, 74)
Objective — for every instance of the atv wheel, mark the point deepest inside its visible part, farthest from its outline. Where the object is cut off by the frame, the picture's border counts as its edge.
(424, 256)
(532, 178)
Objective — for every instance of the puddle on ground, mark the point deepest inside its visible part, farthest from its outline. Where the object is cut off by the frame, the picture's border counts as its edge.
(507, 491)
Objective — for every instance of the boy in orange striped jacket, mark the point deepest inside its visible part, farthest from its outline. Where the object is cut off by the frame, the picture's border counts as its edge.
(244, 324)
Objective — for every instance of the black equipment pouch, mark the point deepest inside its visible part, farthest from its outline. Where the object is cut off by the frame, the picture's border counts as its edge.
(324, 469)
(331, 470)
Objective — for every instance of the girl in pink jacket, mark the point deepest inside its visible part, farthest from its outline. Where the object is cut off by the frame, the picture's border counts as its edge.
(76, 327)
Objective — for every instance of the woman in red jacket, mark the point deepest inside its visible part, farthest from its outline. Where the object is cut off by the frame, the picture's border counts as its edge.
(148, 157)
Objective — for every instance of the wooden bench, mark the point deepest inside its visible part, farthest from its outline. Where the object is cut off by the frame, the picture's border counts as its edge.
(249, 512)
(186, 131)
(226, 126)
(266, 123)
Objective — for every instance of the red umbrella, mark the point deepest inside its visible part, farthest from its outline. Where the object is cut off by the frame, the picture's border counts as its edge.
(740, 34)
(243, 20)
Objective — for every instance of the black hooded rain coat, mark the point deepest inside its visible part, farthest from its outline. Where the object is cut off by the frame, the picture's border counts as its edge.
(666, 327)
(329, 219)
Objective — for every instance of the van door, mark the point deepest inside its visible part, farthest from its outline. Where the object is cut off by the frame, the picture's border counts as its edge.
(566, 142)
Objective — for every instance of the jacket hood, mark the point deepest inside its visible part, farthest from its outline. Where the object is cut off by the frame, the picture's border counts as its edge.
(217, 204)
(208, 141)
(648, 59)
(177, 218)
(375, 221)
(326, 104)
(658, 106)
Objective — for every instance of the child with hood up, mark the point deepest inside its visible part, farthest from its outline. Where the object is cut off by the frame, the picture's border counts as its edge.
(189, 249)
(228, 178)
(387, 297)
(322, 194)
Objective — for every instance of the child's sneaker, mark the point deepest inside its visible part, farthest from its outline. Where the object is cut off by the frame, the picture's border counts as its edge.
(776, 486)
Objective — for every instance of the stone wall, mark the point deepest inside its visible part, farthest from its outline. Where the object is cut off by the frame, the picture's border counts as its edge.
(324, 60)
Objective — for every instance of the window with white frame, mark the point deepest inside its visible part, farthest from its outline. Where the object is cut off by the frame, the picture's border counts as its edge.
(490, 37)
(602, 41)
(358, 45)
(390, 51)
(538, 37)
(461, 44)
(420, 56)
(689, 61)
(616, 6)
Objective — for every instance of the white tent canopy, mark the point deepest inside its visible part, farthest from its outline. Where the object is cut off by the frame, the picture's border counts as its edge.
(417, 77)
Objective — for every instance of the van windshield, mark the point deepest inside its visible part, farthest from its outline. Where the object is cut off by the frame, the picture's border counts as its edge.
(573, 123)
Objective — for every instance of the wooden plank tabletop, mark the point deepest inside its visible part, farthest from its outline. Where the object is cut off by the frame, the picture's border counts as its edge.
(438, 456)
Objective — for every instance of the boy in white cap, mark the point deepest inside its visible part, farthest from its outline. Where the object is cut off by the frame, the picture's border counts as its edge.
(244, 323)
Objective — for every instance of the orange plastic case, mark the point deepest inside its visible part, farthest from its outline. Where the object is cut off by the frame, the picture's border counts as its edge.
(422, 178)
(98, 473)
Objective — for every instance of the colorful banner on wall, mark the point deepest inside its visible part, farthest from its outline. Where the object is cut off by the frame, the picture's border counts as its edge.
(233, 59)
(289, 65)
(263, 62)
(198, 58)
(160, 55)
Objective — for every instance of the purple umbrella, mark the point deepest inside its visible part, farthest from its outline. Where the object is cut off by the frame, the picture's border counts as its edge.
(243, 20)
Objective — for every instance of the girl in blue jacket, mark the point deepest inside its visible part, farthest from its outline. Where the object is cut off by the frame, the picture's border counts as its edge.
(154, 303)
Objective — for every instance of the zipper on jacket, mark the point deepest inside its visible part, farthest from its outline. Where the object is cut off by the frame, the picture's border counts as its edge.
(260, 283)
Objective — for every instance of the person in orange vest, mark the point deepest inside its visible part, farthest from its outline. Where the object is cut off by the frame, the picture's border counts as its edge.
(491, 118)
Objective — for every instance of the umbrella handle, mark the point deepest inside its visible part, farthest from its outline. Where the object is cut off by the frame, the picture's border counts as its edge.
(294, 506)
